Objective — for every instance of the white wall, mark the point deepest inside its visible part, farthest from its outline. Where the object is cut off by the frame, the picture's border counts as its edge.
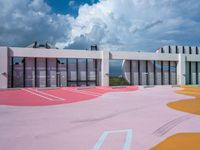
(3, 67)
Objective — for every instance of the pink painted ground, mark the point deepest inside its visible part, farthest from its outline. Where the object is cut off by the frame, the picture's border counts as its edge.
(41, 97)
(78, 126)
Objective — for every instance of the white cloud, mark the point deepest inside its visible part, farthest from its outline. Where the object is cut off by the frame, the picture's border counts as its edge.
(112, 24)
(134, 24)
(23, 22)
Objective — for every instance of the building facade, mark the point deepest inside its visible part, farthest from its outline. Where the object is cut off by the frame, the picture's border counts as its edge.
(50, 67)
(164, 72)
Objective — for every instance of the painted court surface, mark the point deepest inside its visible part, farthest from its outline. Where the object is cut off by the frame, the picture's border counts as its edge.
(100, 118)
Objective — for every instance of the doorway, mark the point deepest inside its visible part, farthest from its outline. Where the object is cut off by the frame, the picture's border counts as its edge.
(116, 77)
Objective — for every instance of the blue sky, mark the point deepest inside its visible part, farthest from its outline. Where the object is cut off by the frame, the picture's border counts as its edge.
(68, 6)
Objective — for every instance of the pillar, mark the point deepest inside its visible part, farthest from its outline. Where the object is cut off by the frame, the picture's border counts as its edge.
(105, 69)
(181, 71)
(4, 67)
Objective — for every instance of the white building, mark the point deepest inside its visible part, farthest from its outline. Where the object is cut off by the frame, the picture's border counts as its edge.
(165, 72)
(46, 66)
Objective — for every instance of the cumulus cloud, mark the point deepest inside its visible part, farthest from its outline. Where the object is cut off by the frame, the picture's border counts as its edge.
(136, 24)
(24, 21)
(112, 24)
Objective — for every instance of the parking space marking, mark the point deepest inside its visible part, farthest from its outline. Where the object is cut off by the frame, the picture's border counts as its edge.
(50, 95)
(34, 93)
(82, 92)
(127, 143)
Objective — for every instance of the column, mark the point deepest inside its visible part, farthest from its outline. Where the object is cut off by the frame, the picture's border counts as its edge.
(4, 67)
(105, 69)
(181, 72)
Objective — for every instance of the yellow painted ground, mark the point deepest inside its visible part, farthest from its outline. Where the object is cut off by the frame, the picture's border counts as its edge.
(184, 141)
(181, 141)
(188, 105)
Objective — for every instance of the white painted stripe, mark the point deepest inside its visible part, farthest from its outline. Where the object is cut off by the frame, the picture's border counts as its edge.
(48, 94)
(82, 92)
(95, 93)
(89, 92)
(103, 88)
(38, 94)
(127, 143)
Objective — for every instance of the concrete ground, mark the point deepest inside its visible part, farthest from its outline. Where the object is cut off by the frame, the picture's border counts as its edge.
(126, 119)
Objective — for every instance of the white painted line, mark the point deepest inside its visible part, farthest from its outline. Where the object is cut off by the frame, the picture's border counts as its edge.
(127, 143)
(86, 87)
(82, 92)
(94, 93)
(48, 94)
(38, 94)
(103, 88)
(100, 87)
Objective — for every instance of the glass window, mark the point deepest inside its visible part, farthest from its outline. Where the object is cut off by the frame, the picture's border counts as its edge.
(18, 72)
(82, 69)
(72, 70)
